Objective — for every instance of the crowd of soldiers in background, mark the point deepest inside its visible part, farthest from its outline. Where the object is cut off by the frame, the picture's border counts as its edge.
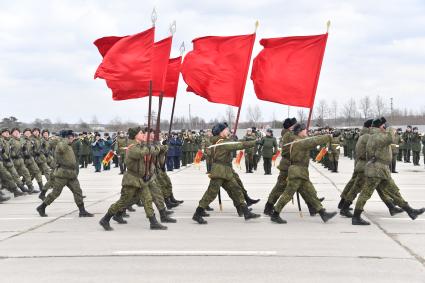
(28, 155)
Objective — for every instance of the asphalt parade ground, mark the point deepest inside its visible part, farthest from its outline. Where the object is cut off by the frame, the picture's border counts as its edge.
(65, 248)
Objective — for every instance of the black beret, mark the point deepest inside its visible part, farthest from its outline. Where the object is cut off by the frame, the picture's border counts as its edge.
(5, 130)
(368, 123)
(218, 128)
(299, 127)
(132, 132)
(379, 122)
(289, 122)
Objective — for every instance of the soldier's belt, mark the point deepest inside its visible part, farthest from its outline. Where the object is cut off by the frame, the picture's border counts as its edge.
(299, 164)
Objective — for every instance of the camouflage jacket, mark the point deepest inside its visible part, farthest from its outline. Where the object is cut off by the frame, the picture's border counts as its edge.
(135, 159)
(300, 155)
(222, 157)
(378, 154)
(28, 150)
(5, 152)
(65, 161)
(249, 150)
(361, 159)
(120, 145)
(39, 156)
(285, 162)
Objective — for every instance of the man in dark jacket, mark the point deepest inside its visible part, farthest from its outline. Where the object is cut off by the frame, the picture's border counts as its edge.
(268, 148)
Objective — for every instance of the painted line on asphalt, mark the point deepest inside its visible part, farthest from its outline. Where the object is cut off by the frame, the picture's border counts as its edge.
(35, 218)
(401, 219)
(196, 253)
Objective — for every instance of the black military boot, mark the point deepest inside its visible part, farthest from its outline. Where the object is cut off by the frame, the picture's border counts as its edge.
(125, 214)
(326, 215)
(17, 192)
(169, 212)
(413, 213)
(4, 198)
(176, 201)
(247, 213)
(130, 208)
(393, 209)
(165, 218)
(341, 203)
(357, 218)
(275, 217)
(311, 210)
(32, 190)
(169, 204)
(42, 195)
(84, 212)
(198, 215)
(155, 225)
(104, 222)
(321, 199)
(345, 210)
(118, 218)
(240, 212)
(268, 209)
(23, 189)
(139, 203)
(209, 208)
(249, 201)
(40, 186)
(42, 209)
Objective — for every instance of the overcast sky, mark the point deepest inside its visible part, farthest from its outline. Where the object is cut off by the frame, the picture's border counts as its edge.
(47, 59)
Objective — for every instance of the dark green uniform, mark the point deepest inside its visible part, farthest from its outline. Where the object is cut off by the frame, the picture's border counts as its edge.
(222, 172)
(28, 153)
(249, 153)
(333, 154)
(8, 162)
(40, 157)
(298, 176)
(416, 148)
(268, 148)
(84, 152)
(18, 161)
(407, 146)
(120, 148)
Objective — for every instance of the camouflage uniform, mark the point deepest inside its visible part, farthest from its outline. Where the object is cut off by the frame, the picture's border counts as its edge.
(249, 154)
(40, 158)
(8, 162)
(18, 161)
(28, 153)
(120, 146)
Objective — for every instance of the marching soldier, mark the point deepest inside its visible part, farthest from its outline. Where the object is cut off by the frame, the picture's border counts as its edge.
(334, 151)
(416, 146)
(298, 177)
(207, 151)
(395, 148)
(76, 148)
(18, 162)
(134, 182)
(222, 174)
(65, 175)
(39, 155)
(378, 176)
(8, 162)
(28, 153)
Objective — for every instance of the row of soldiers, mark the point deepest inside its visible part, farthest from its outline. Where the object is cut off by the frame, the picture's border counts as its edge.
(24, 157)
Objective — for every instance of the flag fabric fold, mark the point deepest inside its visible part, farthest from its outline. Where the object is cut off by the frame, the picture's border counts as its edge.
(128, 58)
(217, 67)
(287, 70)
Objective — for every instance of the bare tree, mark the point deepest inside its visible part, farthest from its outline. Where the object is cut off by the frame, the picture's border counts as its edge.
(230, 115)
(380, 106)
(254, 114)
(349, 111)
(301, 115)
(334, 111)
(321, 112)
(366, 107)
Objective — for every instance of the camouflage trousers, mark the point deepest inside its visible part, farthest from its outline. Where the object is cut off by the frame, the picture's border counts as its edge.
(249, 161)
(350, 190)
(157, 196)
(22, 171)
(6, 178)
(306, 190)
(14, 174)
(232, 188)
(59, 183)
(34, 170)
(128, 194)
(278, 189)
(387, 189)
(164, 183)
(44, 170)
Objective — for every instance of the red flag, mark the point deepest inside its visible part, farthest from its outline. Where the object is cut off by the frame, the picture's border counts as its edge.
(287, 70)
(129, 58)
(103, 44)
(217, 67)
(172, 78)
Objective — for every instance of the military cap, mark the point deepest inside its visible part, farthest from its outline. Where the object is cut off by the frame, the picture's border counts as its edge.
(269, 130)
(36, 129)
(45, 131)
(218, 128)
(368, 123)
(97, 134)
(415, 128)
(4, 130)
(66, 133)
(409, 126)
(299, 127)
(84, 133)
(379, 122)
(132, 132)
(399, 129)
(106, 134)
(289, 122)
(27, 130)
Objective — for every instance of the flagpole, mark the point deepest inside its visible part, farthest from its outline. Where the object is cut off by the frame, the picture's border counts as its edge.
(182, 49)
(243, 87)
(328, 24)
